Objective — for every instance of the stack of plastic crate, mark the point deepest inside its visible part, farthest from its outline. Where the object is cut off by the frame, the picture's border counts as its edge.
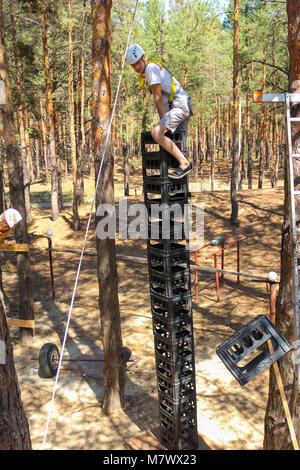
(170, 291)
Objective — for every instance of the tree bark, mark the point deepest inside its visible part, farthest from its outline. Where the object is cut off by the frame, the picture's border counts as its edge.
(81, 99)
(14, 429)
(57, 135)
(277, 435)
(50, 118)
(235, 147)
(21, 120)
(114, 371)
(76, 219)
(16, 187)
(2, 202)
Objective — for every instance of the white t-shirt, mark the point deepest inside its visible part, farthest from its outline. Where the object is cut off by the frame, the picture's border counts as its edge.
(154, 74)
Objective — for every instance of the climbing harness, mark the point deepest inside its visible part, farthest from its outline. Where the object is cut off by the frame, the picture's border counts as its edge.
(161, 65)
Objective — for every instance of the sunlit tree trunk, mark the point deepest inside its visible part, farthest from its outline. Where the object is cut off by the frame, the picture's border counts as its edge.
(16, 188)
(114, 371)
(277, 435)
(76, 220)
(235, 144)
(14, 429)
(50, 119)
(262, 135)
(81, 98)
(56, 119)
(24, 139)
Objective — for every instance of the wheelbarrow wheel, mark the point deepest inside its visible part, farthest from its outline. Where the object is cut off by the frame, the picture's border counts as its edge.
(48, 360)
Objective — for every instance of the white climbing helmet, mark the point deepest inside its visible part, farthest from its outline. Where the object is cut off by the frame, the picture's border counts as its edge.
(134, 53)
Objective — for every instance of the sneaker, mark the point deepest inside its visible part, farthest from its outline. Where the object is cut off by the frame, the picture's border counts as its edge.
(180, 173)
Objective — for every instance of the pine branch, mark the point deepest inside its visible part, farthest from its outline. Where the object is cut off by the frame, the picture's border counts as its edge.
(286, 72)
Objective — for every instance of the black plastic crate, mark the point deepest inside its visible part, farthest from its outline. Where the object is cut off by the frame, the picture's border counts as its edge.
(178, 138)
(172, 200)
(251, 340)
(172, 231)
(174, 271)
(167, 211)
(189, 441)
(158, 190)
(170, 285)
(171, 310)
(173, 353)
(166, 247)
(178, 434)
(172, 332)
(183, 370)
(165, 263)
(158, 162)
(176, 391)
(181, 409)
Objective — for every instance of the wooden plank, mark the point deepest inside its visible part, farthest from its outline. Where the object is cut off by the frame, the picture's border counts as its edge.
(20, 323)
(15, 247)
(149, 440)
(4, 235)
(145, 441)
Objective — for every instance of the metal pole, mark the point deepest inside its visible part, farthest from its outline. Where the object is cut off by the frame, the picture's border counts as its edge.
(217, 278)
(51, 265)
(223, 255)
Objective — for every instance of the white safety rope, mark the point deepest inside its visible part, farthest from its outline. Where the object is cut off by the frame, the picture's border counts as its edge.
(85, 237)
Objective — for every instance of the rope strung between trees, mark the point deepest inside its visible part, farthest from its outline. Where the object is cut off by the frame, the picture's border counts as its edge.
(86, 233)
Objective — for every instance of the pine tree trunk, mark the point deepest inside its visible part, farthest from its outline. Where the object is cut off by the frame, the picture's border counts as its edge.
(37, 158)
(277, 435)
(16, 187)
(2, 203)
(44, 137)
(57, 136)
(235, 147)
(227, 139)
(262, 146)
(212, 162)
(21, 118)
(114, 371)
(125, 151)
(81, 98)
(76, 219)
(14, 429)
(50, 118)
(195, 153)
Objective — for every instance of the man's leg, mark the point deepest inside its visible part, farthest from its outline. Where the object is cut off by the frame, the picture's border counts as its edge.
(158, 134)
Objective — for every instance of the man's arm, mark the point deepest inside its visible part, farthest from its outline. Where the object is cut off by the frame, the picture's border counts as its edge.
(158, 99)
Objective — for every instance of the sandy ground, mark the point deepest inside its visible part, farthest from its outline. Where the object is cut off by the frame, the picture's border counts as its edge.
(230, 415)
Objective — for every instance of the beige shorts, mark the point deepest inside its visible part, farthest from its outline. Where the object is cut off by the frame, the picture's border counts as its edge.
(178, 115)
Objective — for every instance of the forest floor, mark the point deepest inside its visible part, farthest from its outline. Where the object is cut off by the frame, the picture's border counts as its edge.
(229, 415)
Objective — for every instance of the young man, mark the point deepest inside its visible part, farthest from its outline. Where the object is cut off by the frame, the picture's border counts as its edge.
(172, 103)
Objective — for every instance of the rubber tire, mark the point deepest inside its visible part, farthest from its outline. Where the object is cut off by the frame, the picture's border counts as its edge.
(127, 354)
(48, 360)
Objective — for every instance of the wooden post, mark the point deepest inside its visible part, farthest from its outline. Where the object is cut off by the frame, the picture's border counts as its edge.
(273, 302)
